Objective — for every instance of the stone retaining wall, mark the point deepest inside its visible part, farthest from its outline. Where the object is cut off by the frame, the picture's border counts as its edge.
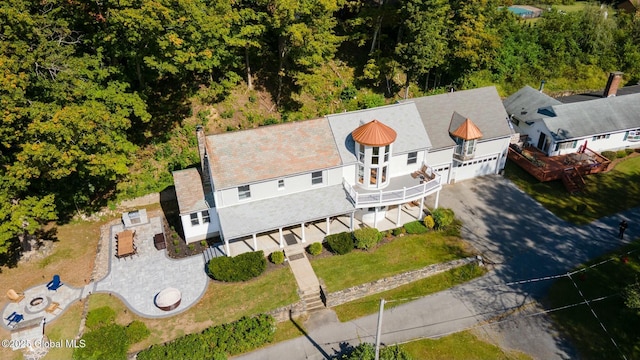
(392, 282)
(288, 312)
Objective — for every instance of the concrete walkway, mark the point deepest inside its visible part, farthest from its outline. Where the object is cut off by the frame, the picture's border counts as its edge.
(524, 239)
(301, 268)
(139, 278)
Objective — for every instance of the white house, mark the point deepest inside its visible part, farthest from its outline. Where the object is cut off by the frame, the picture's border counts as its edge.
(601, 122)
(360, 164)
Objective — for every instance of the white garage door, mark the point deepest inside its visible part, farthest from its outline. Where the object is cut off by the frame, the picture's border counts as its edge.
(473, 168)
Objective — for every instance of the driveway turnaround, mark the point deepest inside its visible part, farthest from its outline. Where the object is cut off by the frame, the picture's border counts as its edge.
(524, 240)
(139, 278)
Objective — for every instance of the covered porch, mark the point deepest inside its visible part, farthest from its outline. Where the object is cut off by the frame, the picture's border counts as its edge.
(316, 230)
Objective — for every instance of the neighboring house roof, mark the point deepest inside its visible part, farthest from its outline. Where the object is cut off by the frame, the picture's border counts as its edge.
(529, 104)
(627, 90)
(483, 105)
(374, 133)
(189, 191)
(269, 152)
(463, 128)
(282, 211)
(403, 118)
(595, 117)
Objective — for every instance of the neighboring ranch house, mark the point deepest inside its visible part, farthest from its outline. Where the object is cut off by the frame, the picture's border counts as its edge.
(358, 164)
(567, 125)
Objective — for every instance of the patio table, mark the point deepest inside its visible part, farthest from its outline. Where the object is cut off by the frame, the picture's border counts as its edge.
(125, 243)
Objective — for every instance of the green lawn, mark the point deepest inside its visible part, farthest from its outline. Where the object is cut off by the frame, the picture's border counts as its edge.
(370, 304)
(605, 194)
(459, 346)
(402, 254)
(608, 279)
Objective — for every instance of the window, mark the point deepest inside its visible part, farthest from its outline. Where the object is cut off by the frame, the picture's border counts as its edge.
(412, 158)
(316, 177)
(471, 147)
(361, 154)
(600, 137)
(376, 154)
(194, 219)
(360, 174)
(205, 217)
(632, 135)
(567, 145)
(281, 184)
(386, 153)
(244, 192)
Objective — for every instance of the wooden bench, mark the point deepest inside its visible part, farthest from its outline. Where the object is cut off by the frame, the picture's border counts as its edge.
(51, 309)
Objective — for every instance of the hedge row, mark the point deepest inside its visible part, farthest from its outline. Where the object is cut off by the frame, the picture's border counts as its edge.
(238, 268)
(217, 342)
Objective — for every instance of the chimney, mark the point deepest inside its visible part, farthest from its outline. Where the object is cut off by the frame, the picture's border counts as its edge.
(612, 84)
(542, 85)
(202, 152)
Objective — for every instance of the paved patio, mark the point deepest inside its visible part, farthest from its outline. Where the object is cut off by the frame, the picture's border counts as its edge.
(139, 278)
(64, 296)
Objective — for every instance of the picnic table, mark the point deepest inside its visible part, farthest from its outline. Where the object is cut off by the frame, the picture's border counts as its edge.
(125, 244)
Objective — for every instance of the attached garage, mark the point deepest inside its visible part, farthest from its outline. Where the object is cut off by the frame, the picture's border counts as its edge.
(475, 167)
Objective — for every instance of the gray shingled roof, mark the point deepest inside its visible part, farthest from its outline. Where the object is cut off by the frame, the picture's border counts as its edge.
(483, 106)
(282, 211)
(189, 191)
(270, 152)
(575, 120)
(529, 104)
(403, 118)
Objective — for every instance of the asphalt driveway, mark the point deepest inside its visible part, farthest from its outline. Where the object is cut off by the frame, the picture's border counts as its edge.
(522, 239)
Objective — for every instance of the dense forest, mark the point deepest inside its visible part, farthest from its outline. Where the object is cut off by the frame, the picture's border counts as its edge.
(91, 88)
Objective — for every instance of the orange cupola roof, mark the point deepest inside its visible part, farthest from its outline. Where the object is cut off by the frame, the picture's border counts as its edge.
(467, 131)
(374, 133)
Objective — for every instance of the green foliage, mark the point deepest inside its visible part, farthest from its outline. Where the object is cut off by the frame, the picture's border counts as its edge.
(315, 249)
(366, 351)
(398, 231)
(216, 342)
(629, 151)
(620, 154)
(366, 238)
(611, 155)
(415, 227)
(136, 331)
(107, 342)
(203, 243)
(368, 101)
(277, 257)
(348, 93)
(341, 243)
(429, 222)
(631, 296)
(100, 317)
(443, 218)
(239, 268)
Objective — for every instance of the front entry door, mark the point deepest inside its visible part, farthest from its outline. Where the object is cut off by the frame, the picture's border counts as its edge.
(541, 141)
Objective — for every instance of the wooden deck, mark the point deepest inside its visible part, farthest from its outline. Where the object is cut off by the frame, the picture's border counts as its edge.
(548, 168)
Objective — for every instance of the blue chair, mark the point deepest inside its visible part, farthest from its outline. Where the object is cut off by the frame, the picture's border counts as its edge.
(16, 319)
(10, 317)
(55, 283)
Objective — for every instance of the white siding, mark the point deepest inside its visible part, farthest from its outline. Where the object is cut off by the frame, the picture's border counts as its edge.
(615, 141)
(193, 233)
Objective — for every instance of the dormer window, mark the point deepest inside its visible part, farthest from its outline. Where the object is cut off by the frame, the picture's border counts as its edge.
(466, 148)
(466, 134)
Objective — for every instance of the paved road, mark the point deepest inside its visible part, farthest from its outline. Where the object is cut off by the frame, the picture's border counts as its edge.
(522, 238)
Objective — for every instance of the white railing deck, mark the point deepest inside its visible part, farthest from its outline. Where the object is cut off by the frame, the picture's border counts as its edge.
(364, 198)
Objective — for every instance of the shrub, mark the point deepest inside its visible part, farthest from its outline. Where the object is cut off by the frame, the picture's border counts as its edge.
(240, 336)
(100, 317)
(341, 243)
(203, 243)
(620, 154)
(609, 154)
(429, 222)
(415, 227)
(366, 238)
(629, 151)
(192, 247)
(398, 231)
(277, 257)
(239, 268)
(136, 331)
(366, 351)
(315, 249)
(107, 342)
(443, 217)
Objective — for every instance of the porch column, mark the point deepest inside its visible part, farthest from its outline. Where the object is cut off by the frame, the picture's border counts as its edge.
(302, 229)
(328, 227)
(226, 247)
(399, 213)
(281, 238)
(421, 208)
(437, 198)
(255, 242)
(351, 221)
(375, 217)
